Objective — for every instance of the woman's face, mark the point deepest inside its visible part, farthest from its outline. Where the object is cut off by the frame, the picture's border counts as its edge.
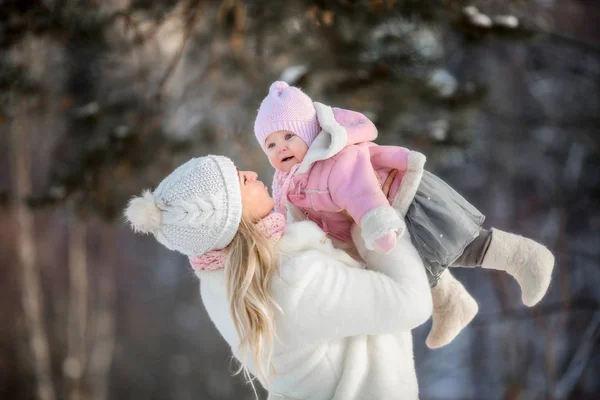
(256, 202)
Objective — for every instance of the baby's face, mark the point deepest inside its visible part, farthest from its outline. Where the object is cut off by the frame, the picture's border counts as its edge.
(285, 150)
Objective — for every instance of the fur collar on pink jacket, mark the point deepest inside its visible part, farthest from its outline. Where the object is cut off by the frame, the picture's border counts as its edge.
(343, 170)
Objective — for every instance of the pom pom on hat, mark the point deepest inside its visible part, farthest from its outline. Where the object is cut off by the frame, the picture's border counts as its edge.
(142, 213)
(278, 87)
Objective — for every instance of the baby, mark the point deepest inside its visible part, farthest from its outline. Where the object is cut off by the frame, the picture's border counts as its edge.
(328, 170)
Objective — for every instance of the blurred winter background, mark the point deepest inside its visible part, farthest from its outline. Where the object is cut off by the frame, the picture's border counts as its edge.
(100, 99)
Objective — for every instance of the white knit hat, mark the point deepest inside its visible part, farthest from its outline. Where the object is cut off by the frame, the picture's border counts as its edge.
(197, 208)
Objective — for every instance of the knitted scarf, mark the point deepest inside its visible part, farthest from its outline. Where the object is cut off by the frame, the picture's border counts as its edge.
(272, 226)
(281, 187)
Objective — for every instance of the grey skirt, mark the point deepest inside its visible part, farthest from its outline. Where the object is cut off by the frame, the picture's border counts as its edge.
(441, 224)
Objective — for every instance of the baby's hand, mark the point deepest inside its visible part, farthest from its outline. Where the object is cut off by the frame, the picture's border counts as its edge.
(386, 243)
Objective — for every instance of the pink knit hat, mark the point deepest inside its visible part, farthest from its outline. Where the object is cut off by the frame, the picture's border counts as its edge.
(286, 108)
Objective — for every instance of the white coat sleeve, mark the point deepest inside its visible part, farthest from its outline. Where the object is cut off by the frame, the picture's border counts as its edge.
(322, 299)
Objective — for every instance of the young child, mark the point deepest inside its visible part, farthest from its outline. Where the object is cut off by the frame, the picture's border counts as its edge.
(329, 170)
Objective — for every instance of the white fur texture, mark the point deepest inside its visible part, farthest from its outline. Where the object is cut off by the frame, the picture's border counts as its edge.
(329, 142)
(342, 333)
(306, 235)
(410, 182)
(453, 309)
(378, 222)
(142, 213)
(529, 262)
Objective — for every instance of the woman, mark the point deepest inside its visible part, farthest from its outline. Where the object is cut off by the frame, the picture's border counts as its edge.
(302, 316)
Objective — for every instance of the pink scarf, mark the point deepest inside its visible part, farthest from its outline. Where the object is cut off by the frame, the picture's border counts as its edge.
(271, 226)
(281, 187)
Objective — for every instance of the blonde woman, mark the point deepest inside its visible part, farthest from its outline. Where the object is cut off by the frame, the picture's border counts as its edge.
(303, 317)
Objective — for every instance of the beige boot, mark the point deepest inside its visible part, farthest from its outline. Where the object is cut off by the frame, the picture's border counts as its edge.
(529, 262)
(453, 309)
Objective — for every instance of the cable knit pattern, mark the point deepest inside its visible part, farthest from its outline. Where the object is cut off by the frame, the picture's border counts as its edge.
(272, 226)
(195, 209)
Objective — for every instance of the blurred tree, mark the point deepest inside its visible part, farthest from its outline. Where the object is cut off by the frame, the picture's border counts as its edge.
(102, 99)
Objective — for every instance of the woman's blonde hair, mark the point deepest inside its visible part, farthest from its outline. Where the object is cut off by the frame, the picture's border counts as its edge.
(251, 262)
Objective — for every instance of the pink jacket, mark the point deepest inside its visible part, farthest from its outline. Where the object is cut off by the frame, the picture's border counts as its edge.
(343, 170)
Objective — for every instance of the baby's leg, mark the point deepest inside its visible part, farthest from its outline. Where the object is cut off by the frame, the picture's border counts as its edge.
(529, 262)
(453, 310)
(475, 251)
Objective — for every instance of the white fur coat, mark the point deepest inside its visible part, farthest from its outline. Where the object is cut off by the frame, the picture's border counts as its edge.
(344, 333)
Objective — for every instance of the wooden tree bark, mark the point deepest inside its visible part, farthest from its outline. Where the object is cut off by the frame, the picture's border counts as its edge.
(31, 289)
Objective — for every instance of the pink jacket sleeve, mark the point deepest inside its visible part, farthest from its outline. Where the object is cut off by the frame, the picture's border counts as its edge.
(353, 185)
(358, 127)
(394, 157)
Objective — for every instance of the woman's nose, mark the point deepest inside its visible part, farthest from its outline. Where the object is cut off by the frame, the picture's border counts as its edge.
(251, 175)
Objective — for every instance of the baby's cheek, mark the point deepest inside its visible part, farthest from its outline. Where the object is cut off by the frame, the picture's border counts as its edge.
(302, 154)
(272, 161)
